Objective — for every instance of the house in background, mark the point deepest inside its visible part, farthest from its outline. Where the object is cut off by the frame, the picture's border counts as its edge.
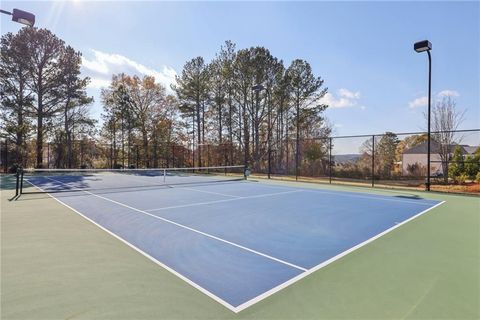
(417, 156)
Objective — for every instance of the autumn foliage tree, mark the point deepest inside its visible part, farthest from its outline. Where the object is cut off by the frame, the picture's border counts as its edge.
(140, 110)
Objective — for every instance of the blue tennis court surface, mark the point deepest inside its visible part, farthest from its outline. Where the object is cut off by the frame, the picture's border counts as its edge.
(237, 242)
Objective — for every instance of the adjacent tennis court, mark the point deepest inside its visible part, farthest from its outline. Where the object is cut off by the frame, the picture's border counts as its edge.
(238, 241)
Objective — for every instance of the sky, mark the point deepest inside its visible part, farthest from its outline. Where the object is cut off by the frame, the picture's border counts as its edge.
(362, 50)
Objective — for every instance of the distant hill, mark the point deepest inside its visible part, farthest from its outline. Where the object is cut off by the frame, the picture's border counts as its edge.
(344, 158)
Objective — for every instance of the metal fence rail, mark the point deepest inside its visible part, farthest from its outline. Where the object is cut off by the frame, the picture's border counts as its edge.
(388, 159)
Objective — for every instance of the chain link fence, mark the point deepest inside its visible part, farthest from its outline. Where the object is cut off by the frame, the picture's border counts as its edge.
(386, 160)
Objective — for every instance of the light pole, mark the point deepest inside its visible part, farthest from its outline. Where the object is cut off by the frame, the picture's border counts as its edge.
(257, 88)
(22, 17)
(422, 46)
(122, 114)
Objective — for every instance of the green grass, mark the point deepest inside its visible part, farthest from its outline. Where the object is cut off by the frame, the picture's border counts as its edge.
(57, 265)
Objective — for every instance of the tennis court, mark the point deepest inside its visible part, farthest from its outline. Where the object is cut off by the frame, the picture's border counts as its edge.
(238, 241)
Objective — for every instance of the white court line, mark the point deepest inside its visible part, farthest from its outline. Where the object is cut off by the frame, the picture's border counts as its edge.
(211, 192)
(349, 194)
(270, 292)
(223, 200)
(191, 229)
(190, 282)
(327, 262)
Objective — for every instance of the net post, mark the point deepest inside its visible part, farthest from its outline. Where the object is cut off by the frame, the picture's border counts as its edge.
(21, 180)
(17, 185)
(330, 160)
(48, 155)
(373, 161)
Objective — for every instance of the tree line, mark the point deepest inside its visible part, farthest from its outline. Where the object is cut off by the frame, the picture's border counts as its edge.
(239, 108)
(212, 104)
(43, 94)
(215, 104)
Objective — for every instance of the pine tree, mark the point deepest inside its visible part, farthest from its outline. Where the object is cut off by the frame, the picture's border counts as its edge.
(306, 90)
(192, 91)
(456, 168)
(472, 164)
(15, 96)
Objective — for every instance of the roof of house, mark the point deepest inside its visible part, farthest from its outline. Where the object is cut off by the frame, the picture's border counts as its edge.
(470, 149)
(435, 148)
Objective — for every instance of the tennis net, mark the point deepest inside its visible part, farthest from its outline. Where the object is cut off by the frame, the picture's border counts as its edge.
(74, 180)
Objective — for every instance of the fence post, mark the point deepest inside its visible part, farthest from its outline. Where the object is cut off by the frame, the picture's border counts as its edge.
(286, 157)
(111, 156)
(81, 153)
(48, 155)
(164, 155)
(446, 167)
(208, 157)
(93, 153)
(269, 159)
(373, 160)
(6, 156)
(330, 161)
(297, 154)
(193, 154)
(137, 155)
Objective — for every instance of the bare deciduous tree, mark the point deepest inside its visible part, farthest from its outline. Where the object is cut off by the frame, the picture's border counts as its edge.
(445, 121)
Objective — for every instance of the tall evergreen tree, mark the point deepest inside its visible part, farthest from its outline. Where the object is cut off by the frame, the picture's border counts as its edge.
(15, 97)
(306, 90)
(385, 153)
(72, 96)
(192, 90)
(43, 50)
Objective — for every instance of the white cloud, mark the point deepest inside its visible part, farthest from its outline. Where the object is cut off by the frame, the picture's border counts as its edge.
(349, 94)
(98, 65)
(448, 93)
(423, 101)
(419, 102)
(344, 98)
(103, 65)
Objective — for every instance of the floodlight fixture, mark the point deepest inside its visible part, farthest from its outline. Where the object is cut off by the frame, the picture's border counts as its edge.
(422, 46)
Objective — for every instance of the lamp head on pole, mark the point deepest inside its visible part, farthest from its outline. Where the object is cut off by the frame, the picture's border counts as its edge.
(23, 17)
(422, 46)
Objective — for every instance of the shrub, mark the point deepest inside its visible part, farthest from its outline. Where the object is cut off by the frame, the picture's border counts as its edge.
(472, 166)
(477, 178)
(462, 178)
(456, 164)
